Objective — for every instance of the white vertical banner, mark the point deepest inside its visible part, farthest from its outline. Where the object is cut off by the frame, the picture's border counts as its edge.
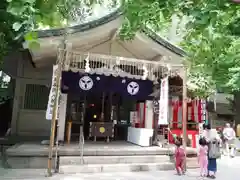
(196, 110)
(53, 95)
(170, 112)
(62, 117)
(133, 117)
(200, 129)
(180, 115)
(204, 110)
(149, 115)
(163, 103)
(141, 114)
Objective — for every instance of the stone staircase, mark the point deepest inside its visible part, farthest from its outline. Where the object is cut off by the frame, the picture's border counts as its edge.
(98, 157)
(97, 164)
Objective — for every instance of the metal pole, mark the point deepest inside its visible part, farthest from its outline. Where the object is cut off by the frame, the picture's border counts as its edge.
(184, 115)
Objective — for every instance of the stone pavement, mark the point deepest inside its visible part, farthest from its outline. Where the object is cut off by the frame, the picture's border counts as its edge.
(227, 169)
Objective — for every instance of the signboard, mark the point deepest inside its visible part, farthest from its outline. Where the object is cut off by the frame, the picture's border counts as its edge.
(200, 129)
(62, 117)
(133, 117)
(53, 95)
(163, 103)
(203, 112)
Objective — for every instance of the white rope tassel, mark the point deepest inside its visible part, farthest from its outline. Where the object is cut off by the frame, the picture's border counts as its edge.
(87, 66)
(80, 61)
(169, 70)
(145, 72)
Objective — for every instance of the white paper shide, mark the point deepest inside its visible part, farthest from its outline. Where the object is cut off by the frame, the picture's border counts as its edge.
(163, 102)
(53, 95)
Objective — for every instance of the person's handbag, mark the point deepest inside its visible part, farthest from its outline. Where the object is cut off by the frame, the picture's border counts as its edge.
(214, 150)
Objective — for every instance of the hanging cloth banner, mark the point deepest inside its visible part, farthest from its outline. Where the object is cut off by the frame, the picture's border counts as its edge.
(131, 88)
(53, 95)
(94, 83)
(196, 110)
(62, 116)
(171, 113)
(203, 111)
(84, 83)
(180, 115)
(163, 103)
(175, 114)
(193, 110)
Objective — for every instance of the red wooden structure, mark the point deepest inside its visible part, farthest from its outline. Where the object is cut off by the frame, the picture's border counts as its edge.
(196, 113)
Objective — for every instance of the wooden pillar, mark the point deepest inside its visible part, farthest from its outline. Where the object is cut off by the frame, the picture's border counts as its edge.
(69, 129)
(155, 116)
(184, 103)
(184, 106)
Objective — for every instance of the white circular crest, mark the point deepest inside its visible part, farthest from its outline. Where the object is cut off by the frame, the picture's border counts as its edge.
(86, 83)
(133, 88)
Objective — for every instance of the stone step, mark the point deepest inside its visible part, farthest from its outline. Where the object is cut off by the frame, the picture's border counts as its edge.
(106, 168)
(77, 160)
(192, 163)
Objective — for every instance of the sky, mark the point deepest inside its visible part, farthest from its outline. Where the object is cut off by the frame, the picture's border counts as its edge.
(98, 11)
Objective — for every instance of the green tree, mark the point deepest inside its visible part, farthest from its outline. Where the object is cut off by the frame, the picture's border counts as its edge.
(8, 36)
(211, 35)
(211, 39)
(18, 18)
(34, 14)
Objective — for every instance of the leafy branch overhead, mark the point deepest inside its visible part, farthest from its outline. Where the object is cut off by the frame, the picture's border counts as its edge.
(18, 18)
(211, 38)
(209, 33)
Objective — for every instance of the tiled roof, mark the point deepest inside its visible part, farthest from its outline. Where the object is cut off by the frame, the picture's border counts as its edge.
(106, 19)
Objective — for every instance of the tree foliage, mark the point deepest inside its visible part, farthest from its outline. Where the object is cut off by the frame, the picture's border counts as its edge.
(20, 17)
(7, 34)
(211, 34)
(30, 15)
(35, 13)
(212, 38)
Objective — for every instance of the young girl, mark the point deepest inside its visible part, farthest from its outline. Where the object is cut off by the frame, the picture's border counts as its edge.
(203, 157)
(179, 158)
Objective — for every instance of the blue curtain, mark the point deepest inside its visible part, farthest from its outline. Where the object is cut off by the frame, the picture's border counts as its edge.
(83, 83)
(132, 88)
(87, 83)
